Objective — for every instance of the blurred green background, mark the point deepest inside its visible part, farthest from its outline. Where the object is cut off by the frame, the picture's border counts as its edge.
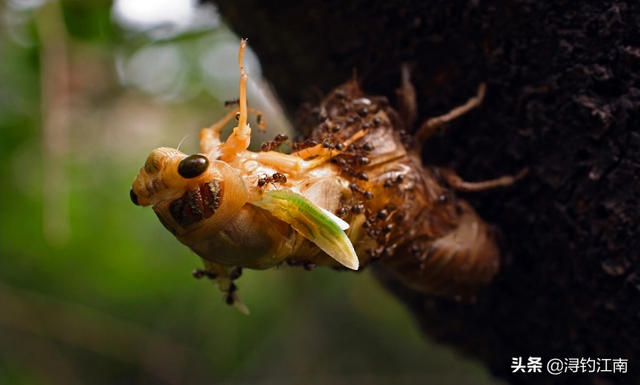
(93, 289)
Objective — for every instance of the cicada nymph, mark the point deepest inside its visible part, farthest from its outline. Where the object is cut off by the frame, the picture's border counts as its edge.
(353, 193)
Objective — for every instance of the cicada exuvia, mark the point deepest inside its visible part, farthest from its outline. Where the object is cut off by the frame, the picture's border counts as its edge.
(352, 193)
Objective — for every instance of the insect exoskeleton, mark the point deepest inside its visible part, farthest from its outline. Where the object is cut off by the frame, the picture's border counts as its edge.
(352, 193)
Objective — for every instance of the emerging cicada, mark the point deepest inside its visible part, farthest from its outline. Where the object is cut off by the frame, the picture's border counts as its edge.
(354, 192)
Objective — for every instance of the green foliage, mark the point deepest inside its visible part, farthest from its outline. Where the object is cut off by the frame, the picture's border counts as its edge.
(89, 21)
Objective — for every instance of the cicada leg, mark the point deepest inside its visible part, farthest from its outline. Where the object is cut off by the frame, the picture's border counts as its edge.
(430, 127)
(224, 277)
(240, 138)
(297, 163)
(210, 136)
(407, 105)
(457, 183)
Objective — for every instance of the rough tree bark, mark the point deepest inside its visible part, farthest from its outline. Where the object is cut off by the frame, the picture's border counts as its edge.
(563, 98)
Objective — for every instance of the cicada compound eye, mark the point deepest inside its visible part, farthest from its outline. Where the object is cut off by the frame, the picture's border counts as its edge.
(193, 166)
(134, 197)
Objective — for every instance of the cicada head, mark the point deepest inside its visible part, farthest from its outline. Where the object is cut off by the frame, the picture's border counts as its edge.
(187, 191)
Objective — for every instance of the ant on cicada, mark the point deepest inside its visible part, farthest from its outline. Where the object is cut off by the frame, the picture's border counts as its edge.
(277, 177)
(275, 143)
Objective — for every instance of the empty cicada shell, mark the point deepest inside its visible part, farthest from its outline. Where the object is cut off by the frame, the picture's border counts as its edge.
(354, 192)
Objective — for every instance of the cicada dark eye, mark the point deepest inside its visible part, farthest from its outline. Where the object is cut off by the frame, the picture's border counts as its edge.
(193, 166)
(134, 197)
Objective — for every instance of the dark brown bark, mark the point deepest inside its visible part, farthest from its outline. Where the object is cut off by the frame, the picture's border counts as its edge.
(563, 98)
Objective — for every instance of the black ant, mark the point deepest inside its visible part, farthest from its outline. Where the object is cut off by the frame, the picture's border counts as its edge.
(231, 102)
(299, 146)
(273, 144)
(277, 177)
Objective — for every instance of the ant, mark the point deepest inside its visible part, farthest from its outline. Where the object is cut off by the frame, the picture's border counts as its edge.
(278, 177)
(273, 144)
(231, 102)
(299, 146)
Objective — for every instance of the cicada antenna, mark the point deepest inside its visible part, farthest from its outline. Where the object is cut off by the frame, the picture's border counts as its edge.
(180, 144)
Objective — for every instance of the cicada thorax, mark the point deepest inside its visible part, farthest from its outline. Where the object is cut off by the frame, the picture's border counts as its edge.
(203, 202)
(401, 214)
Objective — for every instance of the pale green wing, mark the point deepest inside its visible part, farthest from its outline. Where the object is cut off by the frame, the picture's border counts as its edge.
(314, 223)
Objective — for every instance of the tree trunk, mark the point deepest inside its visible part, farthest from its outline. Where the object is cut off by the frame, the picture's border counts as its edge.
(563, 99)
